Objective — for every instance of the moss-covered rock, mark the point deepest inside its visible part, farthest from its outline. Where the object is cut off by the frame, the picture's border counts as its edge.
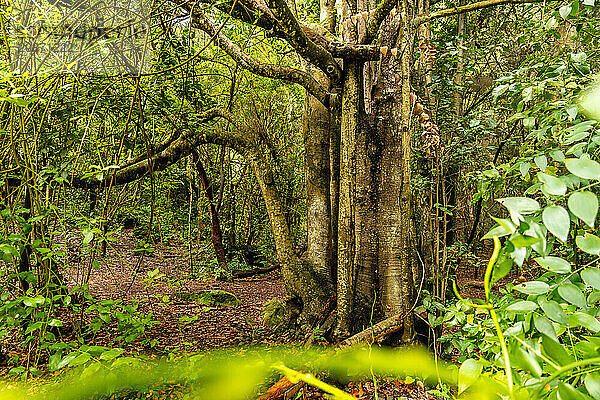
(273, 312)
(215, 298)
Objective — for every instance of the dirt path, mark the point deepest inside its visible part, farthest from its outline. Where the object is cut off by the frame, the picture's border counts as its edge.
(122, 274)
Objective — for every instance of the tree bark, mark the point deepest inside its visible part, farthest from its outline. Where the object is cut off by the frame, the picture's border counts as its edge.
(216, 235)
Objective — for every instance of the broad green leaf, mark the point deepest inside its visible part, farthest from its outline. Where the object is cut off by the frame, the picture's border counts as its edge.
(556, 351)
(524, 241)
(557, 221)
(592, 384)
(564, 11)
(591, 276)
(572, 294)
(524, 168)
(502, 267)
(526, 361)
(519, 205)
(67, 359)
(522, 306)
(589, 243)
(541, 161)
(543, 325)
(552, 184)
(585, 206)
(506, 223)
(558, 155)
(582, 319)
(111, 354)
(498, 231)
(533, 288)
(88, 235)
(468, 373)
(539, 231)
(554, 311)
(554, 264)
(583, 168)
(82, 358)
(33, 301)
(567, 392)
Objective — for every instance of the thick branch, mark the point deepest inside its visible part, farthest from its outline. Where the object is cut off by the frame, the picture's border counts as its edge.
(260, 68)
(181, 147)
(375, 332)
(296, 37)
(466, 8)
(381, 12)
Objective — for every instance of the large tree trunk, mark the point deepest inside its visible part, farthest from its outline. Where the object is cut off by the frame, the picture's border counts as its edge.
(308, 292)
(317, 130)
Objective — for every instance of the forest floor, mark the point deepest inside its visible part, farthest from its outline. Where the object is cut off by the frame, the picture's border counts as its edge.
(122, 274)
(154, 283)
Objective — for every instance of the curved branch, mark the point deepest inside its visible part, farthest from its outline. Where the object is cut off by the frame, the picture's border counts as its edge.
(296, 37)
(466, 8)
(260, 68)
(179, 148)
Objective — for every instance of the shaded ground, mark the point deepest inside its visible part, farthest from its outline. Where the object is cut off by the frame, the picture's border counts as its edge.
(123, 274)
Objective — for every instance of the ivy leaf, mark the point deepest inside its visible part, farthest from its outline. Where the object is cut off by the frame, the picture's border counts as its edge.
(468, 373)
(533, 288)
(582, 319)
(552, 184)
(554, 264)
(588, 243)
(585, 206)
(592, 384)
(572, 294)
(583, 168)
(591, 276)
(556, 219)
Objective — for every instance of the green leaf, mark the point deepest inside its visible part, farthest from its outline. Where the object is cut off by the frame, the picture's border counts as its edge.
(583, 168)
(468, 373)
(564, 11)
(591, 276)
(526, 361)
(524, 168)
(568, 392)
(552, 184)
(533, 288)
(522, 306)
(554, 311)
(543, 325)
(519, 205)
(582, 319)
(592, 384)
(88, 235)
(585, 206)
(111, 354)
(554, 264)
(541, 161)
(33, 301)
(572, 294)
(82, 358)
(557, 221)
(555, 351)
(589, 243)
(524, 241)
